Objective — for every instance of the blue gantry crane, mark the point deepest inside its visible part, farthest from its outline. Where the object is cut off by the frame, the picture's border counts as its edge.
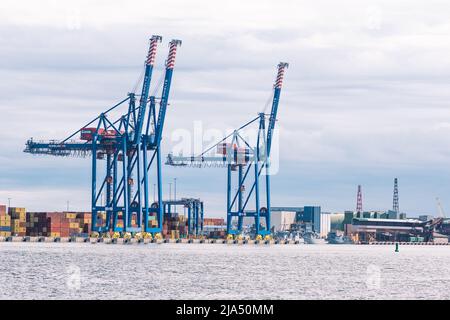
(125, 151)
(195, 212)
(245, 167)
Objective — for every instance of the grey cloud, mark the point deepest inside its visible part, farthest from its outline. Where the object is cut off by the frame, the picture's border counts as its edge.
(375, 99)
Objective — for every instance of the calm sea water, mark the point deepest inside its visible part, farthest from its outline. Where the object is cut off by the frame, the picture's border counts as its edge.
(216, 271)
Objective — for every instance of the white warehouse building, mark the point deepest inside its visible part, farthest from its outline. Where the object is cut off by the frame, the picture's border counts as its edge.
(282, 220)
(322, 223)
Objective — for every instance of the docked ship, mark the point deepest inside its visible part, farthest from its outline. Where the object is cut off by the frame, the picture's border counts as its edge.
(289, 236)
(313, 238)
(333, 238)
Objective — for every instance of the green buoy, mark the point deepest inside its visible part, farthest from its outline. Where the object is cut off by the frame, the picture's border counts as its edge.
(396, 247)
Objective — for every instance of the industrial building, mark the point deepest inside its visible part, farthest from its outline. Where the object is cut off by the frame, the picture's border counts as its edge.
(283, 220)
(337, 222)
(350, 215)
(370, 229)
(372, 226)
(302, 219)
(390, 225)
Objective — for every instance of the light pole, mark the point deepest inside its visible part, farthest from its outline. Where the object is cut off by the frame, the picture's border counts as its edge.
(170, 191)
(9, 202)
(175, 189)
(154, 192)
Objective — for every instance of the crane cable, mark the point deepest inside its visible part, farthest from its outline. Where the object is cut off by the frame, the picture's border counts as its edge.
(139, 80)
(440, 209)
(269, 100)
(155, 90)
(158, 84)
(266, 106)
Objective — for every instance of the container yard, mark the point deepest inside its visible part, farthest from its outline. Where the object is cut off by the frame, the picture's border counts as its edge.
(126, 151)
(58, 224)
(19, 224)
(184, 221)
(126, 159)
(125, 154)
(292, 225)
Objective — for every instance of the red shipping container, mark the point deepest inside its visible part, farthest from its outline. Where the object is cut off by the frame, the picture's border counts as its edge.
(87, 133)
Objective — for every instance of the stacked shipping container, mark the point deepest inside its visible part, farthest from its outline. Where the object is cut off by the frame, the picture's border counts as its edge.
(152, 222)
(101, 218)
(5, 222)
(174, 226)
(58, 224)
(67, 224)
(213, 221)
(214, 228)
(84, 222)
(36, 223)
(18, 221)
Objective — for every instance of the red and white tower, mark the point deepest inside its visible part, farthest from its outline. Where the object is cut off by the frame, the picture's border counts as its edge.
(359, 200)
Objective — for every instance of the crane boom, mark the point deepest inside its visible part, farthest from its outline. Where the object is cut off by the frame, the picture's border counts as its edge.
(440, 209)
(170, 64)
(276, 99)
(145, 87)
(210, 161)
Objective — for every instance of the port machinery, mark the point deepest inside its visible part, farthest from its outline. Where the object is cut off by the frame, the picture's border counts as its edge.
(246, 167)
(195, 212)
(126, 153)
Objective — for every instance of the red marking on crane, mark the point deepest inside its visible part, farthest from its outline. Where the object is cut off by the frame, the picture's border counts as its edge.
(152, 50)
(280, 75)
(172, 54)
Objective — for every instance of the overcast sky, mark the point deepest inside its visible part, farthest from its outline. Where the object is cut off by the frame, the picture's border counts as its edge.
(366, 97)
